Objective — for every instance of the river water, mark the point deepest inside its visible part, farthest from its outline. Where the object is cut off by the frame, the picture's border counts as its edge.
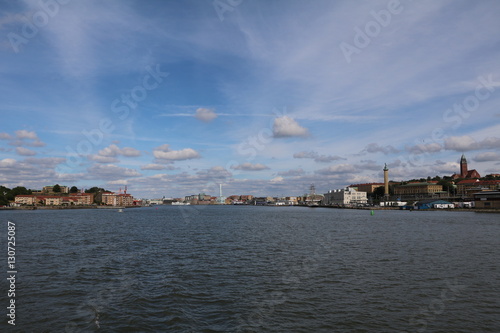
(253, 269)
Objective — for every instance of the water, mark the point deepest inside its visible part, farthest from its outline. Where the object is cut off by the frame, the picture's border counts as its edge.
(253, 269)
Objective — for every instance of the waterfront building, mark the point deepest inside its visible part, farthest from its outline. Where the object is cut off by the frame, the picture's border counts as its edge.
(468, 187)
(487, 199)
(120, 199)
(345, 197)
(418, 188)
(50, 189)
(432, 203)
(369, 188)
(25, 199)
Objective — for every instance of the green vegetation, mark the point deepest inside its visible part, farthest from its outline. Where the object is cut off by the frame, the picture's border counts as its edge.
(7, 194)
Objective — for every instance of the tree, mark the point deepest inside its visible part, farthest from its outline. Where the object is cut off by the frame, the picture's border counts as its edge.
(95, 190)
(56, 188)
(447, 186)
(18, 190)
(73, 189)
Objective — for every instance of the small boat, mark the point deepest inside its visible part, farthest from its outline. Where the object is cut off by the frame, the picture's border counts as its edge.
(120, 210)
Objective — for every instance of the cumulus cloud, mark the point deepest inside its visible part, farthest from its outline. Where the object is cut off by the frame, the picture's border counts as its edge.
(110, 154)
(368, 165)
(216, 173)
(25, 151)
(22, 138)
(425, 148)
(467, 143)
(292, 173)
(460, 143)
(111, 172)
(113, 150)
(445, 167)
(487, 157)
(376, 148)
(33, 172)
(5, 136)
(317, 157)
(285, 127)
(163, 152)
(250, 167)
(337, 169)
(23, 134)
(205, 115)
(102, 159)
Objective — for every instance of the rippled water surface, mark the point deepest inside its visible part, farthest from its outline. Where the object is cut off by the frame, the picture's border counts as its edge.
(253, 269)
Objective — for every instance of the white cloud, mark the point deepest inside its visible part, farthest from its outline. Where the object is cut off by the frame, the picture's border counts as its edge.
(445, 167)
(22, 138)
(292, 173)
(250, 167)
(205, 115)
(5, 136)
(460, 143)
(376, 148)
(317, 157)
(103, 159)
(467, 143)
(285, 126)
(113, 150)
(163, 152)
(337, 169)
(425, 148)
(111, 172)
(25, 151)
(487, 157)
(23, 134)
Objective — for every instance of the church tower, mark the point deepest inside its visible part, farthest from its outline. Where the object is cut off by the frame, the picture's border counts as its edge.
(463, 166)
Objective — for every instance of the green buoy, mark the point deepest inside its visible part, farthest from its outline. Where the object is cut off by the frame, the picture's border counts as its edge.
(371, 213)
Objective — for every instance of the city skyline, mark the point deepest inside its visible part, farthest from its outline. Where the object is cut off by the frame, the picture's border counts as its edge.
(171, 99)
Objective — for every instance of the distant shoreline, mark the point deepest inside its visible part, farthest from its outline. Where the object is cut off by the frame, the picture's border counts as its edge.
(329, 207)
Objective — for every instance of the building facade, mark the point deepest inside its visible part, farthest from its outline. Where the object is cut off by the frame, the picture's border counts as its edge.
(369, 188)
(423, 189)
(348, 196)
(468, 187)
(487, 199)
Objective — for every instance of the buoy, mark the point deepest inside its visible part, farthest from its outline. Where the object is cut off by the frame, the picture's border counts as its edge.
(371, 213)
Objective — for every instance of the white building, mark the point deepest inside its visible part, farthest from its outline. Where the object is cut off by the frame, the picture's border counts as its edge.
(346, 196)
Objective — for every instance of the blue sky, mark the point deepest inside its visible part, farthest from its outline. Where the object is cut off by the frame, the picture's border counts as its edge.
(172, 98)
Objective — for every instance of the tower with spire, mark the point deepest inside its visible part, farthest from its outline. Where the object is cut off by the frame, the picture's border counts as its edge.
(463, 166)
(464, 171)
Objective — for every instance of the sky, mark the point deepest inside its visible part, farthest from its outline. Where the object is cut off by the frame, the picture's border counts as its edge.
(173, 98)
